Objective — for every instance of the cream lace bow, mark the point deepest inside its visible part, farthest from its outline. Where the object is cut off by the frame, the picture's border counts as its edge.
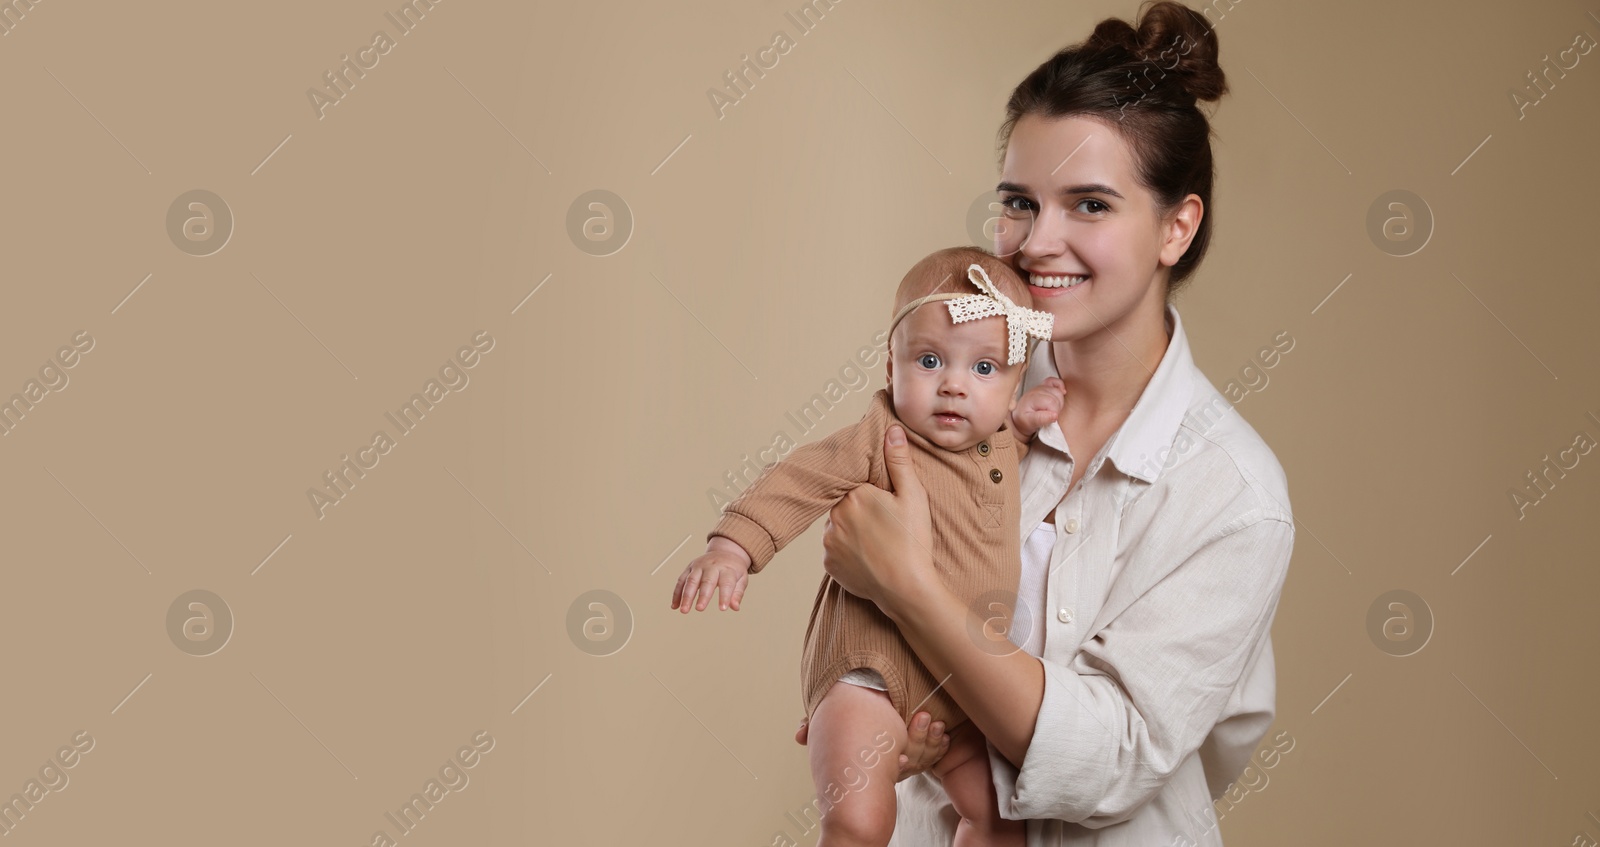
(1021, 321)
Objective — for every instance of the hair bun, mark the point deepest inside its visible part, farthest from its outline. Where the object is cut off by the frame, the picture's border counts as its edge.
(1176, 39)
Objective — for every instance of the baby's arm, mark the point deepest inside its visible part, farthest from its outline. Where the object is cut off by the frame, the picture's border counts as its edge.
(781, 504)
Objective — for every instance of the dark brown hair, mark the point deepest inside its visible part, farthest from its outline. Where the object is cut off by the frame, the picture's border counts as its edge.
(1145, 83)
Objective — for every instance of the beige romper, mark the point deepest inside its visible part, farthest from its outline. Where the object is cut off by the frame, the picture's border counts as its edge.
(975, 506)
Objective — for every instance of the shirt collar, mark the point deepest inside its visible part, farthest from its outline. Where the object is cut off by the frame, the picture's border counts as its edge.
(1152, 426)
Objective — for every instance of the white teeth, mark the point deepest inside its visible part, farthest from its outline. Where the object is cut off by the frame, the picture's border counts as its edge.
(1056, 281)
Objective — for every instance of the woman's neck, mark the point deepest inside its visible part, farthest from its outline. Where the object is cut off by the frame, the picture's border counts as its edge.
(1106, 371)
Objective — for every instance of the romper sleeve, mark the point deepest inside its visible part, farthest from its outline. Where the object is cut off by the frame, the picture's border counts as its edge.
(1145, 692)
(790, 495)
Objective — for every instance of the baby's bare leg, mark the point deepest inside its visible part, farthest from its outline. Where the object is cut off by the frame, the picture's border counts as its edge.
(855, 741)
(964, 771)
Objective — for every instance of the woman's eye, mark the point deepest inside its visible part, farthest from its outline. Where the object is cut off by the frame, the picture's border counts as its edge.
(984, 368)
(928, 360)
(1016, 203)
(1102, 206)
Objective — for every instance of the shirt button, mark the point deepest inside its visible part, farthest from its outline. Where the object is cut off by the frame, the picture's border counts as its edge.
(983, 448)
(1065, 615)
(1072, 525)
(995, 474)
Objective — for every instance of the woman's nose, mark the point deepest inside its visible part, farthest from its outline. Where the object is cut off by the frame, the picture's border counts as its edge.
(1045, 236)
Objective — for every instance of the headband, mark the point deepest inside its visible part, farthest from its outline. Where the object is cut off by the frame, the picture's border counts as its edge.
(1021, 321)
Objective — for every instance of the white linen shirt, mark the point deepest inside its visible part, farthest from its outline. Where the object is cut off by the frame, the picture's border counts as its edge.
(1163, 581)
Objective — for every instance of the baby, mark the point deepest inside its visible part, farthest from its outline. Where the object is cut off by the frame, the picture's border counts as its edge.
(953, 372)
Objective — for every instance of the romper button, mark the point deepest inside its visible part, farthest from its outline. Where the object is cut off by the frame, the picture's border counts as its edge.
(1065, 615)
(983, 448)
(994, 474)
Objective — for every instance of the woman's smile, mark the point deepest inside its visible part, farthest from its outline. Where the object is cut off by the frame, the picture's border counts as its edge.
(1054, 290)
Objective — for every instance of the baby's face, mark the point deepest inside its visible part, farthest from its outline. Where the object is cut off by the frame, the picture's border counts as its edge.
(950, 382)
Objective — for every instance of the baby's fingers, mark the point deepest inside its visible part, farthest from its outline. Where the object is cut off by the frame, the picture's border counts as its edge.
(708, 587)
(738, 591)
(689, 586)
(725, 580)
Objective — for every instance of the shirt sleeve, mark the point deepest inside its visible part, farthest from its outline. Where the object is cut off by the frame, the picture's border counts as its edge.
(1145, 692)
(789, 496)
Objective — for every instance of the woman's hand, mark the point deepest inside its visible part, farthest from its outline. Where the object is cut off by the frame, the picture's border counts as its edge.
(925, 745)
(878, 545)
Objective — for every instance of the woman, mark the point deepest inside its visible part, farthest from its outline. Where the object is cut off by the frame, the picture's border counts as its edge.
(1156, 523)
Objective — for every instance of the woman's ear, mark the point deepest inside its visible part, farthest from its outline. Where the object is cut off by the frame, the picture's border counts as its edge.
(1181, 228)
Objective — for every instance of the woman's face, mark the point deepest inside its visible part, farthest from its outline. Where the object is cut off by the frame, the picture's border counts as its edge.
(1080, 228)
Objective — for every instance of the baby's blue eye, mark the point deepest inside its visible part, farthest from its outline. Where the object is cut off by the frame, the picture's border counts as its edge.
(928, 360)
(985, 367)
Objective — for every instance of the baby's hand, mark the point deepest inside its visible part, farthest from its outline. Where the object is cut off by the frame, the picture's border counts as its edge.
(1038, 407)
(724, 565)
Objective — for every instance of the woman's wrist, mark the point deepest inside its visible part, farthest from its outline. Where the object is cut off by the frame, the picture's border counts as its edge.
(919, 600)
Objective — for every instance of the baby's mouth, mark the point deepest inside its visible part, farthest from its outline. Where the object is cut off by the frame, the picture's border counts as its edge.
(948, 417)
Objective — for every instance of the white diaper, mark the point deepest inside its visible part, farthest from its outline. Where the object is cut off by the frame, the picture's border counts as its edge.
(866, 678)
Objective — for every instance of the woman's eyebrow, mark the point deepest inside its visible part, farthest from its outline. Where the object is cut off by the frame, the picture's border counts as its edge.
(1086, 188)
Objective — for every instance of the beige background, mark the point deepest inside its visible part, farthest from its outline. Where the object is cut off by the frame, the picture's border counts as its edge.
(431, 204)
